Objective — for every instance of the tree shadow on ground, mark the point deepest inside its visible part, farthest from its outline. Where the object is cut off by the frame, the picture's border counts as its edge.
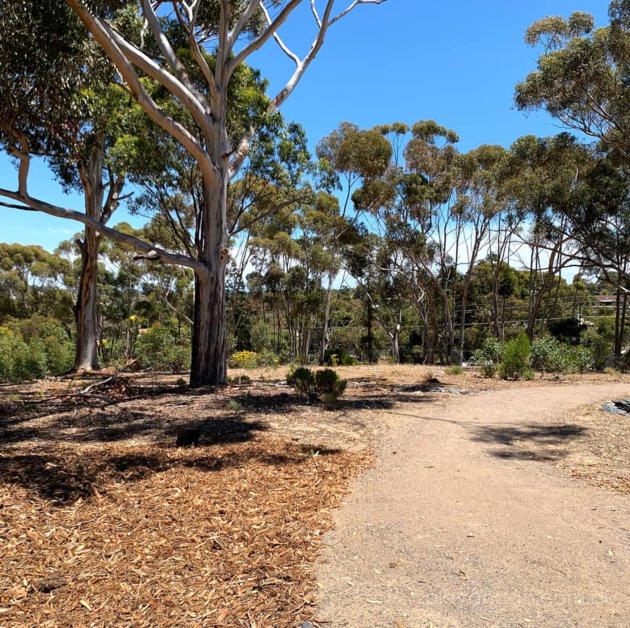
(286, 402)
(61, 477)
(99, 426)
(532, 442)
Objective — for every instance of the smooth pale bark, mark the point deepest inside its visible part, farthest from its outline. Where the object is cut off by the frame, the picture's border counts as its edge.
(85, 310)
(217, 159)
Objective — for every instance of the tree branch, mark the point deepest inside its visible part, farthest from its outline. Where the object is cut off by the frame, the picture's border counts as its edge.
(111, 43)
(34, 204)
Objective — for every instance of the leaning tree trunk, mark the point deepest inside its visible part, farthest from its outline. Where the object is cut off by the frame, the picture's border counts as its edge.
(85, 314)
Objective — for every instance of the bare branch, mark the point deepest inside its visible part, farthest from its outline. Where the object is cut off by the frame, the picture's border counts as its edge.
(352, 6)
(165, 46)
(242, 22)
(111, 44)
(261, 39)
(279, 41)
(316, 14)
(34, 204)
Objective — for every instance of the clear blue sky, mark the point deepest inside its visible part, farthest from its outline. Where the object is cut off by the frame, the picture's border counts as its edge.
(406, 60)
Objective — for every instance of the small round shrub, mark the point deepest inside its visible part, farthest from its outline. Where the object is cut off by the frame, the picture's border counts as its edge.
(489, 355)
(454, 370)
(324, 385)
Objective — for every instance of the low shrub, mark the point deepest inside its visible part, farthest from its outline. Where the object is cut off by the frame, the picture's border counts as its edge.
(240, 379)
(325, 385)
(515, 358)
(244, 360)
(268, 358)
(39, 357)
(454, 370)
(159, 350)
(339, 357)
(583, 358)
(489, 355)
(549, 355)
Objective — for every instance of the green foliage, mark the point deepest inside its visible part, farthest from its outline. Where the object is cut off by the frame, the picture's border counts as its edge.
(261, 336)
(582, 358)
(159, 350)
(549, 355)
(454, 370)
(324, 385)
(240, 379)
(600, 349)
(339, 357)
(234, 405)
(515, 358)
(33, 348)
(529, 375)
(489, 355)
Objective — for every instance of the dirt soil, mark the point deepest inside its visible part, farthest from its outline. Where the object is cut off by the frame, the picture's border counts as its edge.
(104, 521)
(471, 517)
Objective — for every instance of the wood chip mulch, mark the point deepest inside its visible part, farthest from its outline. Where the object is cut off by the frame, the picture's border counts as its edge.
(602, 456)
(218, 535)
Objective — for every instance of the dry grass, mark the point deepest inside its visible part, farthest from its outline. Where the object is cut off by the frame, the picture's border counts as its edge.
(602, 455)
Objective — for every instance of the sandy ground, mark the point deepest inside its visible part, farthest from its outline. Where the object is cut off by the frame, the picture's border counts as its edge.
(466, 521)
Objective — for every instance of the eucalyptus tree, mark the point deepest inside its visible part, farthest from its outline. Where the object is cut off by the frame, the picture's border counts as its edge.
(582, 73)
(546, 175)
(480, 201)
(174, 34)
(352, 157)
(60, 103)
(598, 219)
(416, 207)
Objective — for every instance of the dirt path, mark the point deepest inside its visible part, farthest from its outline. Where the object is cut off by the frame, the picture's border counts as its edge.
(464, 521)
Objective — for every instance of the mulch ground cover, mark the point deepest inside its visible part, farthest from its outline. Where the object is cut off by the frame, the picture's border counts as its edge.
(154, 535)
(602, 456)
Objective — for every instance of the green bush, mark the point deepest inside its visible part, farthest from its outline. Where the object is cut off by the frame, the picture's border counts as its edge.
(159, 350)
(339, 357)
(552, 356)
(453, 370)
(600, 348)
(323, 385)
(268, 358)
(515, 358)
(582, 358)
(59, 355)
(549, 355)
(262, 337)
(39, 357)
(529, 374)
(489, 355)
(302, 380)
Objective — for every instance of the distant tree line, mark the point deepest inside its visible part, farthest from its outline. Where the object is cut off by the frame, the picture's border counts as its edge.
(387, 242)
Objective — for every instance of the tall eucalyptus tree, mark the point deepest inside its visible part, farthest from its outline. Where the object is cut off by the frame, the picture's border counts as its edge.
(181, 34)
